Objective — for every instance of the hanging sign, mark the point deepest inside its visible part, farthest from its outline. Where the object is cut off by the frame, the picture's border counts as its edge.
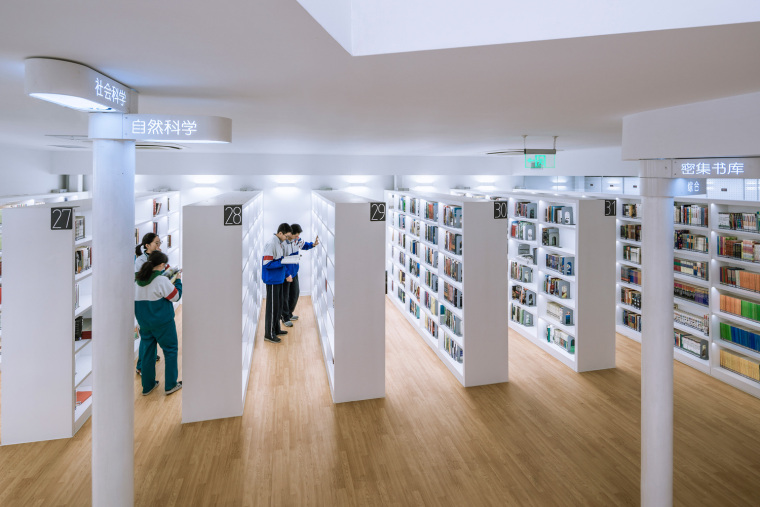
(717, 168)
(179, 128)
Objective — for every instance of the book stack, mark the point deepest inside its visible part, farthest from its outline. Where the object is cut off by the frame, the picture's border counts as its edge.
(82, 259)
(452, 295)
(414, 247)
(630, 232)
(740, 307)
(632, 253)
(401, 295)
(630, 297)
(746, 222)
(560, 215)
(452, 268)
(523, 295)
(451, 321)
(431, 326)
(560, 263)
(694, 242)
(431, 211)
(690, 214)
(693, 293)
(630, 275)
(452, 216)
(740, 364)
(414, 228)
(453, 349)
(401, 258)
(414, 206)
(402, 203)
(521, 316)
(744, 249)
(431, 257)
(402, 277)
(739, 277)
(688, 319)
(401, 223)
(557, 287)
(520, 273)
(632, 320)
(523, 230)
(453, 242)
(559, 313)
(740, 336)
(525, 209)
(414, 309)
(431, 234)
(415, 289)
(560, 338)
(697, 269)
(431, 303)
(631, 210)
(550, 237)
(79, 231)
(414, 267)
(431, 280)
(691, 344)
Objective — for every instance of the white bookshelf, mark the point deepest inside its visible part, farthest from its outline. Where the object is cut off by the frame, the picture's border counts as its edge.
(44, 366)
(347, 294)
(166, 223)
(629, 212)
(475, 351)
(589, 293)
(222, 301)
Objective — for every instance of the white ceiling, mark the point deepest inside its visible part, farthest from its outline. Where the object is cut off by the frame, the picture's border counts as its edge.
(290, 88)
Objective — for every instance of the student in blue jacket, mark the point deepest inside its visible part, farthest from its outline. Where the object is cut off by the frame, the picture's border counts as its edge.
(291, 289)
(154, 295)
(150, 243)
(273, 275)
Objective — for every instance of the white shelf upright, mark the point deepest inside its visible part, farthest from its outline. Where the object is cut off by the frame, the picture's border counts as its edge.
(222, 296)
(347, 292)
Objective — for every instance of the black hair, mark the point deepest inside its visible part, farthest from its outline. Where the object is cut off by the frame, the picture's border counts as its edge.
(296, 229)
(147, 240)
(284, 228)
(154, 260)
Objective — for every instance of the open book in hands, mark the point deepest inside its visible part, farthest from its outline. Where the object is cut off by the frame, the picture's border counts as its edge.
(291, 259)
(172, 274)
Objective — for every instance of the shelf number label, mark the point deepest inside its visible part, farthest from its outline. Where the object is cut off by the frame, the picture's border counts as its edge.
(377, 212)
(500, 210)
(233, 214)
(61, 219)
(610, 207)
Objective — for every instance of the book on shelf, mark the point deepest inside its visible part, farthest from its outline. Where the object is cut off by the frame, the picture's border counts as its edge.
(431, 233)
(740, 307)
(79, 230)
(693, 293)
(699, 322)
(431, 211)
(414, 228)
(137, 236)
(560, 338)
(557, 287)
(550, 237)
(414, 206)
(452, 348)
(559, 313)
(453, 243)
(740, 364)
(631, 210)
(690, 214)
(697, 269)
(521, 316)
(630, 297)
(632, 253)
(520, 273)
(83, 396)
(692, 344)
(632, 320)
(168, 241)
(527, 253)
(630, 275)
(156, 207)
(684, 240)
(414, 267)
(431, 257)
(155, 227)
(451, 321)
(631, 232)
(525, 231)
(452, 295)
(431, 280)
(76, 296)
(414, 247)
(82, 259)
(745, 222)
(414, 309)
(452, 216)
(430, 302)
(431, 326)
(525, 209)
(740, 336)
(560, 214)
(452, 268)
(523, 295)
(78, 328)
(561, 263)
(742, 249)
(86, 329)
(740, 278)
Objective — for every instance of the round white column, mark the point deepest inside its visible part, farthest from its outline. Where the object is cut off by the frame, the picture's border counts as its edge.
(113, 207)
(657, 343)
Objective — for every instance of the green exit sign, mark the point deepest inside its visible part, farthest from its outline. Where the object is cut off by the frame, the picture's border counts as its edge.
(539, 161)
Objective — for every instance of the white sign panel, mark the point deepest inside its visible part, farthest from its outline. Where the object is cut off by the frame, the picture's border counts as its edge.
(716, 168)
(177, 128)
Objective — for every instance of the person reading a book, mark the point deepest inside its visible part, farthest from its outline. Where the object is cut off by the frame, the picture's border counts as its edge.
(273, 274)
(290, 289)
(154, 295)
(150, 243)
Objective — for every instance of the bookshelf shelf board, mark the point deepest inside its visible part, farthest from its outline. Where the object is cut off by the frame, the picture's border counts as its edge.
(525, 331)
(550, 321)
(451, 255)
(722, 287)
(628, 263)
(86, 241)
(84, 370)
(629, 285)
(558, 225)
(686, 226)
(626, 326)
(532, 242)
(524, 219)
(742, 321)
(559, 350)
(735, 261)
(79, 345)
(569, 303)
(557, 249)
(692, 360)
(456, 311)
(455, 230)
(754, 354)
(425, 309)
(84, 274)
(531, 309)
(398, 229)
(739, 381)
(451, 363)
(458, 339)
(690, 330)
(451, 281)
(85, 304)
(732, 232)
(628, 332)
(691, 304)
(530, 285)
(629, 307)
(691, 279)
(432, 340)
(523, 262)
(629, 219)
(82, 412)
(697, 254)
(426, 220)
(629, 241)
(558, 274)
(413, 256)
(428, 243)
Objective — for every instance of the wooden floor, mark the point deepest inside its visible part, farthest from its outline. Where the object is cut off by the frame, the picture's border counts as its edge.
(548, 437)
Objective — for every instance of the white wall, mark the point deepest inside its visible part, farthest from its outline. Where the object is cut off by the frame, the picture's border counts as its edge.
(287, 198)
(444, 183)
(25, 171)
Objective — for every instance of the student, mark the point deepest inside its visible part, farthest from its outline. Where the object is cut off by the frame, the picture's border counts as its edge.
(150, 243)
(273, 275)
(154, 295)
(290, 289)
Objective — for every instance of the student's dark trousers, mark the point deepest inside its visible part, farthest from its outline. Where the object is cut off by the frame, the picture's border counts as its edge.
(272, 311)
(290, 294)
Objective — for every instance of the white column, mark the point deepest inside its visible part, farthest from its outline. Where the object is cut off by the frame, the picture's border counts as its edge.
(113, 247)
(657, 337)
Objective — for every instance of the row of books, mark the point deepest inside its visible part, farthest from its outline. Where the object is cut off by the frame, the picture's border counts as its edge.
(560, 214)
(414, 206)
(523, 230)
(746, 222)
(561, 264)
(431, 280)
(414, 228)
(401, 295)
(402, 201)
(740, 307)
(694, 293)
(684, 240)
(431, 326)
(402, 258)
(557, 287)
(431, 211)
(76, 296)
(414, 267)
(399, 238)
(690, 214)
(452, 268)
(82, 259)
(414, 247)
(521, 316)
(632, 320)
(82, 328)
(632, 253)
(453, 242)
(453, 349)
(697, 269)
(525, 209)
(688, 319)
(630, 297)
(415, 288)
(452, 216)
(559, 313)
(631, 210)
(414, 309)
(744, 249)
(430, 302)
(691, 344)
(740, 336)
(401, 276)
(431, 233)
(550, 237)
(740, 364)
(523, 295)
(560, 338)
(526, 253)
(630, 275)
(79, 229)
(739, 277)
(431, 257)
(156, 207)
(631, 232)
(401, 221)
(452, 295)
(451, 321)
(520, 273)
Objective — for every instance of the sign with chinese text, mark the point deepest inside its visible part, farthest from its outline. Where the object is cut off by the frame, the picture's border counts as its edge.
(535, 161)
(716, 168)
(177, 128)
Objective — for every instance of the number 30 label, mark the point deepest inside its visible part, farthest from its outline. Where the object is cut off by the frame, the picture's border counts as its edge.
(500, 209)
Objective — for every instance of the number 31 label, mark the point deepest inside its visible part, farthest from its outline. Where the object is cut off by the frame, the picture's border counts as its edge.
(233, 214)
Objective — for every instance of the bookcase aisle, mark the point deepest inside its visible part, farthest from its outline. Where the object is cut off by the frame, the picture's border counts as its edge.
(445, 290)
(347, 293)
(222, 299)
